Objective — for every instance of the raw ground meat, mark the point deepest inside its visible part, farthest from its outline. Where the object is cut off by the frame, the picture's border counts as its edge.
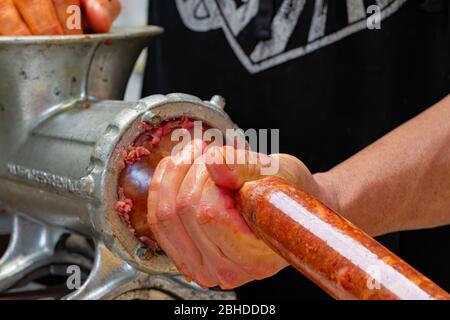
(150, 135)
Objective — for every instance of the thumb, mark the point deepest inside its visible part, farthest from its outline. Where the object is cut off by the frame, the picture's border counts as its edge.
(230, 168)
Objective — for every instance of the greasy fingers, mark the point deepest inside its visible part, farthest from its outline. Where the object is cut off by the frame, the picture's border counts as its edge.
(153, 206)
(40, 16)
(100, 14)
(69, 15)
(196, 224)
(11, 23)
(56, 17)
(190, 210)
(163, 218)
(225, 227)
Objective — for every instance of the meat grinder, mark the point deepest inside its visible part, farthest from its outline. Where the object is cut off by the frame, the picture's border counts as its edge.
(63, 125)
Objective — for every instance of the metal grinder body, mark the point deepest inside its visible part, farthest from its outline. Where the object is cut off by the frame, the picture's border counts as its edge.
(62, 128)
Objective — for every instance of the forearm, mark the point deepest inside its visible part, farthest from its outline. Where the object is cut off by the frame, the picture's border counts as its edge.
(400, 182)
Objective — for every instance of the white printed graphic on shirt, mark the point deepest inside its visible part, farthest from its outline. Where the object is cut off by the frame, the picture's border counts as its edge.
(206, 15)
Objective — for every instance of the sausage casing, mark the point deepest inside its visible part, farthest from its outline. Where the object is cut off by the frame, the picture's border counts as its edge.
(329, 250)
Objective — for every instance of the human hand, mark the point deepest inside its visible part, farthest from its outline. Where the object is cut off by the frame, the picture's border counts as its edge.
(192, 215)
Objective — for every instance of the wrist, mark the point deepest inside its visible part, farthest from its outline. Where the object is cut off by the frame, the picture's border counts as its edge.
(343, 201)
(327, 191)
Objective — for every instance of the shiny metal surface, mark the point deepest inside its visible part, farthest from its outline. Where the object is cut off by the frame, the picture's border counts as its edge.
(112, 278)
(62, 130)
(30, 246)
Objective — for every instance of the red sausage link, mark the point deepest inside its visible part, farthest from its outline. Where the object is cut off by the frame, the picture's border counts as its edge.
(328, 249)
